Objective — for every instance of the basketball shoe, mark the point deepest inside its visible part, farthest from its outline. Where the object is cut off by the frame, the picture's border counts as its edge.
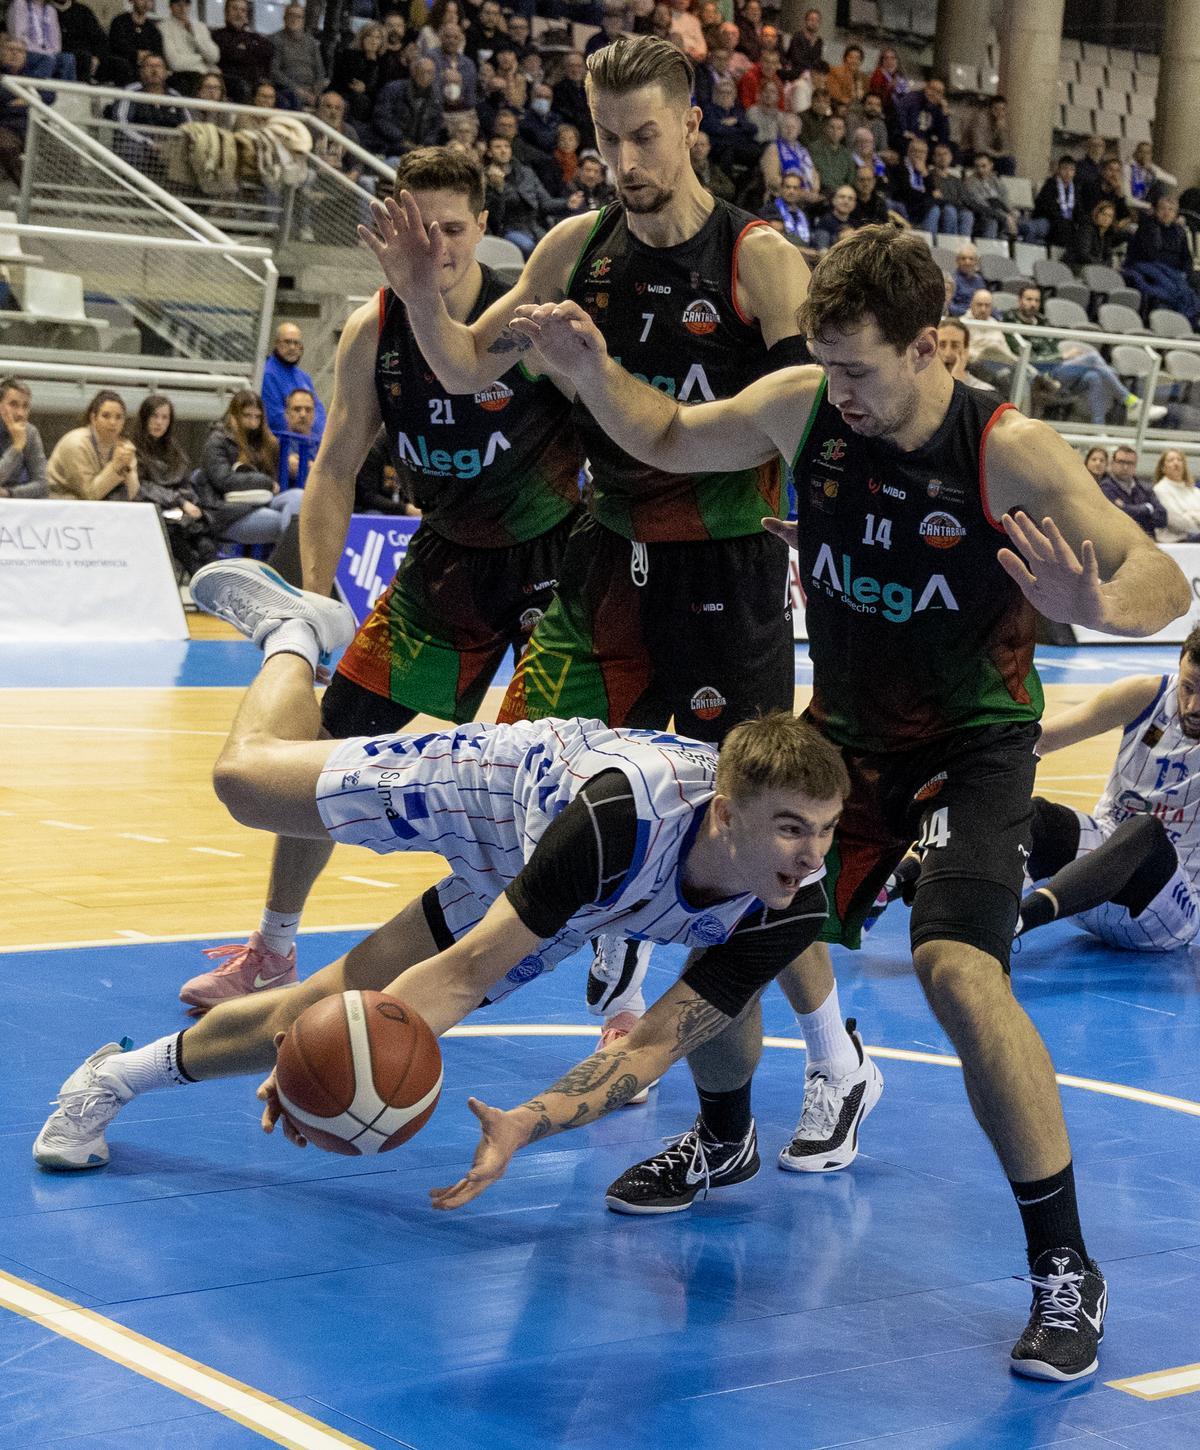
(614, 1030)
(826, 1137)
(692, 1164)
(249, 967)
(618, 970)
(1066, 1323)
(73, 1135)
(254, 599)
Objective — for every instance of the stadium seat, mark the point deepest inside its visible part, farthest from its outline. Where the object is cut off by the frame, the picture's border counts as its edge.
(1132, 362)
(1025, 254)
(1165, 322)
(996, 267)
(992, 246)
(945, 257)
(1183, 367)
(12, 254)
(1051, 275)
(1062, 312)
(1111, 286)
(1003, 302)
(1115, 317)
(1095, 54)
(1018, 191)
(53, 298)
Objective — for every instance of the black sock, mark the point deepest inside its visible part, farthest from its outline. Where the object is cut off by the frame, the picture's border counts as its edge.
(725, 1117)
(1037, 909)
(1050, 1214)
(178, 1055)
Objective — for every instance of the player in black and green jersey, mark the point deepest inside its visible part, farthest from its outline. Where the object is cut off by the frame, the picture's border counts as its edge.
(921, 633)
(497, 479)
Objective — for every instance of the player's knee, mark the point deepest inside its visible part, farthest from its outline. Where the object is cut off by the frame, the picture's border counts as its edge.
(237, 782)
(960, 982)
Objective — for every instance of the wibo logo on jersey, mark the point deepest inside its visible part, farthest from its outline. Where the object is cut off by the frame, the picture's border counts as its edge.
(868, 595)
(463, 463)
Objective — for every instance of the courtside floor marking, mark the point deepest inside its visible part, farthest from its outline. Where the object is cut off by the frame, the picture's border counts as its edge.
(268, 1417)
(1163, 1384)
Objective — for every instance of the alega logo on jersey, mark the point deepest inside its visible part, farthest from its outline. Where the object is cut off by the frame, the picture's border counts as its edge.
(695, 382)
(463, 463)
(869, 595)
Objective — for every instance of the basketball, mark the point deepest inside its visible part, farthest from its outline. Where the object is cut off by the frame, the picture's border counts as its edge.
(358, 1073)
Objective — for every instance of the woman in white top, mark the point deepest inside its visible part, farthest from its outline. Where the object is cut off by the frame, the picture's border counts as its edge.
(1174, 489)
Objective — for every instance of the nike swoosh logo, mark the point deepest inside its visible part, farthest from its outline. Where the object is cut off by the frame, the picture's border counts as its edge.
(692, 1177)
(1100, 1308)
(260, 982)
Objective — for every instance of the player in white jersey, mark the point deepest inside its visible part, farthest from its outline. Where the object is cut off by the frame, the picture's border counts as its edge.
(1129, 873)
(554, 832)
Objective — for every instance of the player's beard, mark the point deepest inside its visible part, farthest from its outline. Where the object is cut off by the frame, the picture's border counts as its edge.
(651, 198)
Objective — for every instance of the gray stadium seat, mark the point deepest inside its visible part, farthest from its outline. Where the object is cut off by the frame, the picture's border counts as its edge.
(1132, 362)
(1018, 192)
(1026, 254)
(1062, 312)
(1111, 286)
(1183, 366)
(1114, 317)
(1003, 302)
(945, 258)
(1165, 322)
(1047, 273)
(999, 268)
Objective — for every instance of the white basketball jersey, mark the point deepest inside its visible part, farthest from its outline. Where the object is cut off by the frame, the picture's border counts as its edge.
(482, 796)
(1157, 770)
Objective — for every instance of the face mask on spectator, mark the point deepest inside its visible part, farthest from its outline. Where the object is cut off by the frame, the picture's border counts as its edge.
(451, 92)
(541, 104)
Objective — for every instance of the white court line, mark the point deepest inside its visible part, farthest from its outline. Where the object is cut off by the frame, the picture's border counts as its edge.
(134, 935)
(231, 934)
(1163, 1384)
(112, 730)
(133, 836)
(269, 1417)
(64, 825)
(370, 881)
(216, 851)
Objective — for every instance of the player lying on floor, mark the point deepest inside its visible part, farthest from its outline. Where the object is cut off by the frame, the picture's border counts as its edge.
(1128, 873)
(555, 832)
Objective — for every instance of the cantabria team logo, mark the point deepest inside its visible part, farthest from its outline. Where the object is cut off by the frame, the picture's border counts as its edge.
(700, 317)
(707, 703)
(941, 530)
(494, 398)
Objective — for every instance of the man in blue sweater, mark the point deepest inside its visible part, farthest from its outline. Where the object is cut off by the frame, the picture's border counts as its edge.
(282, 374)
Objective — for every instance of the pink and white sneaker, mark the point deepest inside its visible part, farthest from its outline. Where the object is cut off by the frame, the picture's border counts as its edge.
(244, 968)
(614, 1029)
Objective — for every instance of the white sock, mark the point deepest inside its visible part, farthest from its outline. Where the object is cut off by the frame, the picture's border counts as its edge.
(278, 929)
(830, 1049)
(145, 1069)
(293, 637)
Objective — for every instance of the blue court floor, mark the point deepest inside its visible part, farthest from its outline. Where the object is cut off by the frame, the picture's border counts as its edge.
(873, 1307)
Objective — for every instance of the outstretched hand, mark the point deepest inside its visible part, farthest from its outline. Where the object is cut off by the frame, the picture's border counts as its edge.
(268, 1094)
(500, 1139)
(411, 256)
(1060, 584)
(564, 334)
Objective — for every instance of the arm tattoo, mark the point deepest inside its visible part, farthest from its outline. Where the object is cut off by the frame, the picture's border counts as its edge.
(509, 341)
(592, 1073)
(698, 1020)
(621, 1091)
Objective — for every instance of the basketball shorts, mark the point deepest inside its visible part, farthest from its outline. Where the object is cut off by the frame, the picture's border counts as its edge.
(1171, 920)
(966, 800)
(640, 634)
(437, 635)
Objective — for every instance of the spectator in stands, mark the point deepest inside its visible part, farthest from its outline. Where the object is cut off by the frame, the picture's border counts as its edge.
(408, 113)
(1074, 364)
(463, 130)
(862, 148)
(163, 470)
(613, 23)
(593, 186)
(732, 136)
(923, 113)
(988, 352)
(767, 69)
(541, 122)
(296, 60)
(888, 80)
(868, 115)
(846, 82)
(485, 31)
(83, 37)
(765, 115)
(188, 47)
(750, 30)
(132, 35)
(95, 460)
(812, 121)
(241, 456)
(836, 222)
(246, 56)
(1179, 496)
(832, 157)
(14, 112)
(986, 133)
(953, 341)
(1141, 177)
(806, 47)
(434, 18)
(212, 88)
(871, 204)
(321, 203)
(910, 184)
(356, 72)
(686, 31)
(1087, 169)
(1122, 486)
(785, 213)
(449, 56)
(1055, 204)
(710, 174)
(1158, 260)
(566, 157)
(36, 23)
(264, 98)
(1110, 189)
(1094, 238)
(297, 441)
(986, 198)
(518, 205)
(968, 279)
(282, 375)
(381, 487)
(22, 453)
(541, 163)
(139, 147)
(570, 98)
(393, 59)
(1095, 460)
(950, 212)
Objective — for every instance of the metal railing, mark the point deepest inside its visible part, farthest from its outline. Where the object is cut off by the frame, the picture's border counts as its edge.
(1021, 338)
(309, 195)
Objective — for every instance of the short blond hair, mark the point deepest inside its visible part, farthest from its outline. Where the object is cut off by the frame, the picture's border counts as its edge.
(780, 752)
(632, 62)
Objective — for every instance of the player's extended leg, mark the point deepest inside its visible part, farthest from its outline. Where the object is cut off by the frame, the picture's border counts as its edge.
(721, 1148)
(235, 1038)
(841, 1082)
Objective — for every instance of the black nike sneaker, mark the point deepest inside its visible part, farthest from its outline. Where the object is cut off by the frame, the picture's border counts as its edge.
(691, 1164)
(1066, 1324)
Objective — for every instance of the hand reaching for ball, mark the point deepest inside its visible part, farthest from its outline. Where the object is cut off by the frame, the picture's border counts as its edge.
(502, 1135)
(273, 1111)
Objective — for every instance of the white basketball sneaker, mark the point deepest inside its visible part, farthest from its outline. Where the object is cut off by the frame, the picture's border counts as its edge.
(73, 1135)
(826, 1137)
(253, 598)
